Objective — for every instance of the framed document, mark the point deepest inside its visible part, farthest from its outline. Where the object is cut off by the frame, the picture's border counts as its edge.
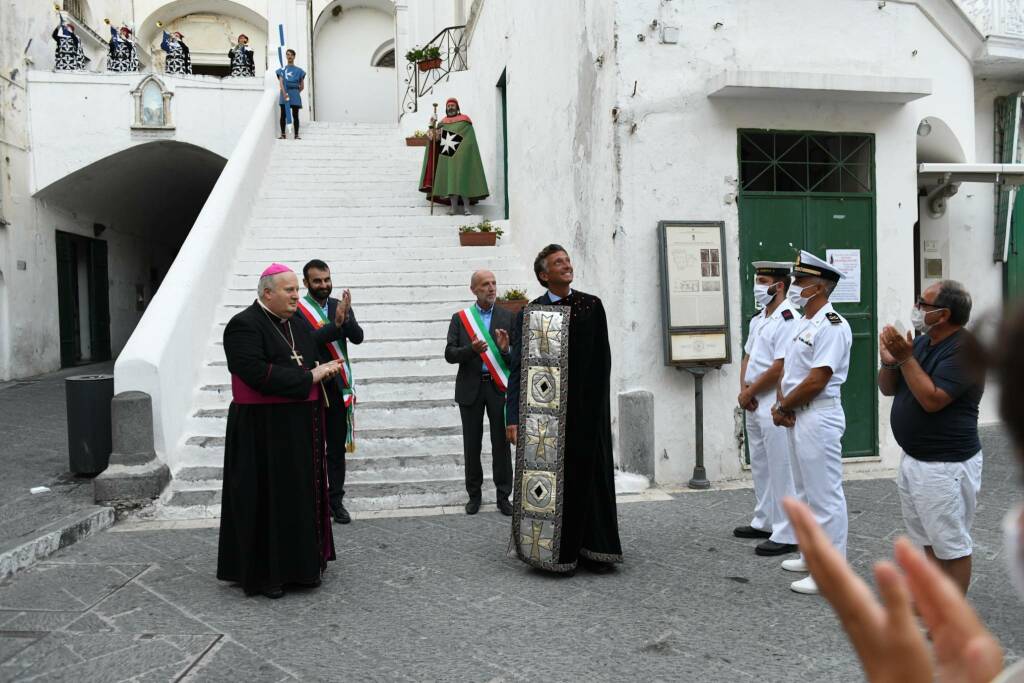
(694, 293)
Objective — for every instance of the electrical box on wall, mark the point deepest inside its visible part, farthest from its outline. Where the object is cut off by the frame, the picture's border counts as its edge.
(933, 268)
(669, 35)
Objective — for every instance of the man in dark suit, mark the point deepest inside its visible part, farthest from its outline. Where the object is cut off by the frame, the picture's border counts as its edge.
(478, 341)
(315, 308)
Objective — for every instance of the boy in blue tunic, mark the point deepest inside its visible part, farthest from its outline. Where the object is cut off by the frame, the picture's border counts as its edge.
(292, 80)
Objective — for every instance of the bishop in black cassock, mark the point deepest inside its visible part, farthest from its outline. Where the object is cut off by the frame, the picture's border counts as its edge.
(560, 524)
(275, 521)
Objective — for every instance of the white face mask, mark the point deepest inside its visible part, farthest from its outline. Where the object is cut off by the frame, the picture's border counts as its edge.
(796, 295)
(761, 294)
(917, 317)
(1013, 546)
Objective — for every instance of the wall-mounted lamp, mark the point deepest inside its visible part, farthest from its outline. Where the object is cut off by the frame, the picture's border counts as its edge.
(924, 129)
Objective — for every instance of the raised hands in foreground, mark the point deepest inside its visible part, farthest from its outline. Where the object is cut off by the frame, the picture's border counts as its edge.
(886, 634)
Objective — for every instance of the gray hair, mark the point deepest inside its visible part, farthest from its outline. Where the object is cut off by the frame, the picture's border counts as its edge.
(829, 285)
(266, 282)
(957, 299)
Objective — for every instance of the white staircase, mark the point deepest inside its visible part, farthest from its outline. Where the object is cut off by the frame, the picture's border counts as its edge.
(347, 194)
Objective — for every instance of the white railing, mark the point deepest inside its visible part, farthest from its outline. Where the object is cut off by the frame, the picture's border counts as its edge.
(165, 353)
(996, 17)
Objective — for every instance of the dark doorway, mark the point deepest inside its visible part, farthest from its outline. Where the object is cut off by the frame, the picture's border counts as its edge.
(82, 300)
(218, 70)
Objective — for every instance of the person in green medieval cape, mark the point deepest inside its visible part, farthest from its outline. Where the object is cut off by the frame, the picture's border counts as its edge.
(559, 417)
(452, 169)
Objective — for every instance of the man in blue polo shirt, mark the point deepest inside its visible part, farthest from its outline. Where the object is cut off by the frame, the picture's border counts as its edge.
(935, 421)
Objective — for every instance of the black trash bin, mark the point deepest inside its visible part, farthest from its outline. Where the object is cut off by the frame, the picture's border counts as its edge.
(88, 406)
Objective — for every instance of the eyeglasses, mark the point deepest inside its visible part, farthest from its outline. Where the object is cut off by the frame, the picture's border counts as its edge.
(921, 302)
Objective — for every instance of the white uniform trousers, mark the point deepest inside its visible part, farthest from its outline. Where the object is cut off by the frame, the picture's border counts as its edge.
(768, 446)
(816, 452)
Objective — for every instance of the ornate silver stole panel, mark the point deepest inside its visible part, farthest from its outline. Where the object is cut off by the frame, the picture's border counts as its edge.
(540, 451)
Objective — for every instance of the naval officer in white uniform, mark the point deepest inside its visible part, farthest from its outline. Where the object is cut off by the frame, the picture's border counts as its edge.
(816, 365)
(768, 444)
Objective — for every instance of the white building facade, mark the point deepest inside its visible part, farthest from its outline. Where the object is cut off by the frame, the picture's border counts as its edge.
(796, 124)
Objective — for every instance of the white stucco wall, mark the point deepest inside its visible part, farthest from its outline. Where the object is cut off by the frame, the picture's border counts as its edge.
(348, 87)
(96, 112)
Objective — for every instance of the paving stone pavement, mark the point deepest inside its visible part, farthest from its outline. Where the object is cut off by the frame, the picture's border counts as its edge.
(435, 598)
(34, 452)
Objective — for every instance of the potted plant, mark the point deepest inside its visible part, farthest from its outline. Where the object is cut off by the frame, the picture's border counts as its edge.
(417, 139)
(431, 58)
(513, 300)
(414, 55)
(483, 234)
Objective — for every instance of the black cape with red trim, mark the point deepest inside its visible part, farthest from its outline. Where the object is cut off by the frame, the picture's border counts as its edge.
(275, 525)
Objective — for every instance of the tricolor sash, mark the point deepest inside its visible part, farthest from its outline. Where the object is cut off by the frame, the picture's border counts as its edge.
(317, 317)
(475, 327)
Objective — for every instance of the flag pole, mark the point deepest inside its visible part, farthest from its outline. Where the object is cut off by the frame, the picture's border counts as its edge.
(280, 60)
(430, 158)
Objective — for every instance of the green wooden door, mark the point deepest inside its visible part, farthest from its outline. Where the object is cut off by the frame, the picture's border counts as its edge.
(814, 191)
(1015, 257)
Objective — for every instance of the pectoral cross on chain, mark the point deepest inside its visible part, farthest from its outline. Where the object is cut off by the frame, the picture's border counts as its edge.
(296, 357)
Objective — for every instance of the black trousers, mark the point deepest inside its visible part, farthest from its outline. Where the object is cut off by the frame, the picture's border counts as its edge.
(336, 427)
(295, 118)
(493, 401)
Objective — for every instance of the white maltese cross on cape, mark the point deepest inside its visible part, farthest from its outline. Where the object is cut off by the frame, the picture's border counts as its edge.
(450, 143)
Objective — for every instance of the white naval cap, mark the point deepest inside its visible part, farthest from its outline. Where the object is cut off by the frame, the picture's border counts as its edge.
(809, 264)
(772, 268)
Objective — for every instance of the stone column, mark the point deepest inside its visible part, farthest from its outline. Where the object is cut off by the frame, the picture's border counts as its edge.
(135, 473)
(636, 433)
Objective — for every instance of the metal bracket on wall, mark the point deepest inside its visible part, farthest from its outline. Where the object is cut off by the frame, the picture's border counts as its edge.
(938, 195)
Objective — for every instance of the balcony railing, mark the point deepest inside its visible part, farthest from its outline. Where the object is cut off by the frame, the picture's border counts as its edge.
(996, 17)
(453, 47)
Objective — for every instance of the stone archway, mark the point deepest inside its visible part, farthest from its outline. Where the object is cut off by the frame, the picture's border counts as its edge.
(351, 81)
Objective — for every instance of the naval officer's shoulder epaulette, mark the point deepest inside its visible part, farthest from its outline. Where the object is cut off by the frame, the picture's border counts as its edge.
(787, 314)
(834, 318)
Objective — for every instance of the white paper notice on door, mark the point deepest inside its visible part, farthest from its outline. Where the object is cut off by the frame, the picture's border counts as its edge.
(847, 262)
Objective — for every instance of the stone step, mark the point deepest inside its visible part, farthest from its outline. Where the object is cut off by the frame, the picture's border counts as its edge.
(299, 211)
(358, 497)
(357, 253)
(377, 348)
(439, 220)
(459, 295)
(372, 415)
(505, 273)
(217, 372)
(368, 389)
(209, 448)
(384, 312)
(490, 258)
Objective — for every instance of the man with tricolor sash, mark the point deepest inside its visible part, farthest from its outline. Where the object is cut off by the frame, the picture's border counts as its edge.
(478, 342)
(317, 308)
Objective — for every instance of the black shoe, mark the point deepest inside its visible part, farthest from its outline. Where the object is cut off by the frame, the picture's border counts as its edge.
(472, 507)
(770, 548)
(273, 592)
(595, 567)
(340, 514)
(505, 507)
(750, 532)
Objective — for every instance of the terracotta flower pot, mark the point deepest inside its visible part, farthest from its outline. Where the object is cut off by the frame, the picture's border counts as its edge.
(512, 305)
(416, 142)
(478, 239)
(428, 64)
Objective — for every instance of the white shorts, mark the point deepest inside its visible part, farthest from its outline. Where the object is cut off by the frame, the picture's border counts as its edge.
(938, 501)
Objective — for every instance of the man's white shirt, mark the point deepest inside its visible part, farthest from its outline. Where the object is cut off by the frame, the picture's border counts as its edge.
(767, 339)
(822, 341)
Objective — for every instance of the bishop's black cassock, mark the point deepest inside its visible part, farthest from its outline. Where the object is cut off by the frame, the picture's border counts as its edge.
(275, 522)
(586, 521)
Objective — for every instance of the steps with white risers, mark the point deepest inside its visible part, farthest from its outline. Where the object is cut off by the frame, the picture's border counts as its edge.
(347, 194)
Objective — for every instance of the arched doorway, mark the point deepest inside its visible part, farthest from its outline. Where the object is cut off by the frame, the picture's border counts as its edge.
(354, 63)
(211, 28)
(127, 216)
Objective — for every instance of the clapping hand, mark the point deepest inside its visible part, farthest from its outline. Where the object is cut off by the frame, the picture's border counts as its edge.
(341, 314)
(501, 339)
(898, 347)
(886, 636)
(326, 371)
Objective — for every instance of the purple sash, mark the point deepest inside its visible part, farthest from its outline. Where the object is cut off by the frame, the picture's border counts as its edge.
(243, 394)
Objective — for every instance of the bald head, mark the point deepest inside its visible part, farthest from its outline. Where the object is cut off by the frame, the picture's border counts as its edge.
(485, 287)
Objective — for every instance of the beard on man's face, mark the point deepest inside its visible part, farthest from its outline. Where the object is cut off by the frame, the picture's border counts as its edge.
(321, 293)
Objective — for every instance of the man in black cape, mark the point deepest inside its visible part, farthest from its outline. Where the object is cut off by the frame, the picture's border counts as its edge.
(559, 417)
(275, 525)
